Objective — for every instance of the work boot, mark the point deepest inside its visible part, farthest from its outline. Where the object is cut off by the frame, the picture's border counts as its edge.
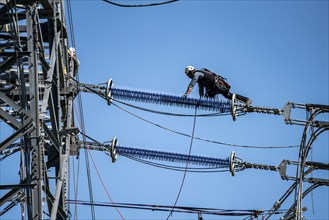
(248, 102)
(244, 99)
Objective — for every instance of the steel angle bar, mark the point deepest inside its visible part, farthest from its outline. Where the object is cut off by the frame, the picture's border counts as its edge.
(9, 195)
(50, 74)
(52, 137)
(6, 7)
(10, 120)
(17, 186)
(19, 197)
(7, 64)
(26, 128)
(12, 204)
(5, 20)
(13, 104)
(43, 62)
(50, 196)
(8, 207)
(9, 29)
(62, 173)
(15, 54)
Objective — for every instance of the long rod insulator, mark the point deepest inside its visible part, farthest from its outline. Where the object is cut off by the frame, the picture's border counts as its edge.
(172, 157)
(171, 100)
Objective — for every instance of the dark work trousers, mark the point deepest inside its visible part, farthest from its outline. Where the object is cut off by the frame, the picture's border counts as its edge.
(221, 89)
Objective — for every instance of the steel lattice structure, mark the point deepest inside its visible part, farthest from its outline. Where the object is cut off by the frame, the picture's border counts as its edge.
(36, 102)
(313, 127)
(37, 90)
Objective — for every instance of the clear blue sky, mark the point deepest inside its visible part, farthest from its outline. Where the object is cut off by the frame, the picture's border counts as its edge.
(271, 51)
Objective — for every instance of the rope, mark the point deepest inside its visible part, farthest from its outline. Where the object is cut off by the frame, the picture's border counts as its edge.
(81, 122)
(100, 178)
(187, 161)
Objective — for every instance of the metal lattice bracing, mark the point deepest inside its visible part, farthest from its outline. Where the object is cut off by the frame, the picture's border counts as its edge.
(36, 102)
(312, 130)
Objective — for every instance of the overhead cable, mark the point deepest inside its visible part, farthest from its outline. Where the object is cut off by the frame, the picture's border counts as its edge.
(141, 5)
(99, 176)
(82, 125)
(178, 209)
(186, 167)
(201, 139)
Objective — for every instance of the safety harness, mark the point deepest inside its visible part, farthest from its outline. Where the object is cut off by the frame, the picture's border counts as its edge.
(212, 82)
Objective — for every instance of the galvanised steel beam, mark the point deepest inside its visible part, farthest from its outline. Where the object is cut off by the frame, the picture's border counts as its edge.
(24, 129)
(36, 151)
(9, 195)
(34, 108)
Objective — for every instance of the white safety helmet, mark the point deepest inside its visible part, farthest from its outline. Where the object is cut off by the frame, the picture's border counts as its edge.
(188, 69)
(72, 50)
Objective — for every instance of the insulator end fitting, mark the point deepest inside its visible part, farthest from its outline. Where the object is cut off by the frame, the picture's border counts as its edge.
(114, 145)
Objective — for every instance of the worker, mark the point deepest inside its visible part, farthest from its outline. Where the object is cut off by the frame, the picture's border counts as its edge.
(76, 62)
(211, 83)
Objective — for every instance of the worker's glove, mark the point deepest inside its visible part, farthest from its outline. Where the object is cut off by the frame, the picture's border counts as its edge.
(185, 96)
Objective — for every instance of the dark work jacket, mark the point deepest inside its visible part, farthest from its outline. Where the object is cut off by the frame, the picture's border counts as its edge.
(208, 80)
(213, 83)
